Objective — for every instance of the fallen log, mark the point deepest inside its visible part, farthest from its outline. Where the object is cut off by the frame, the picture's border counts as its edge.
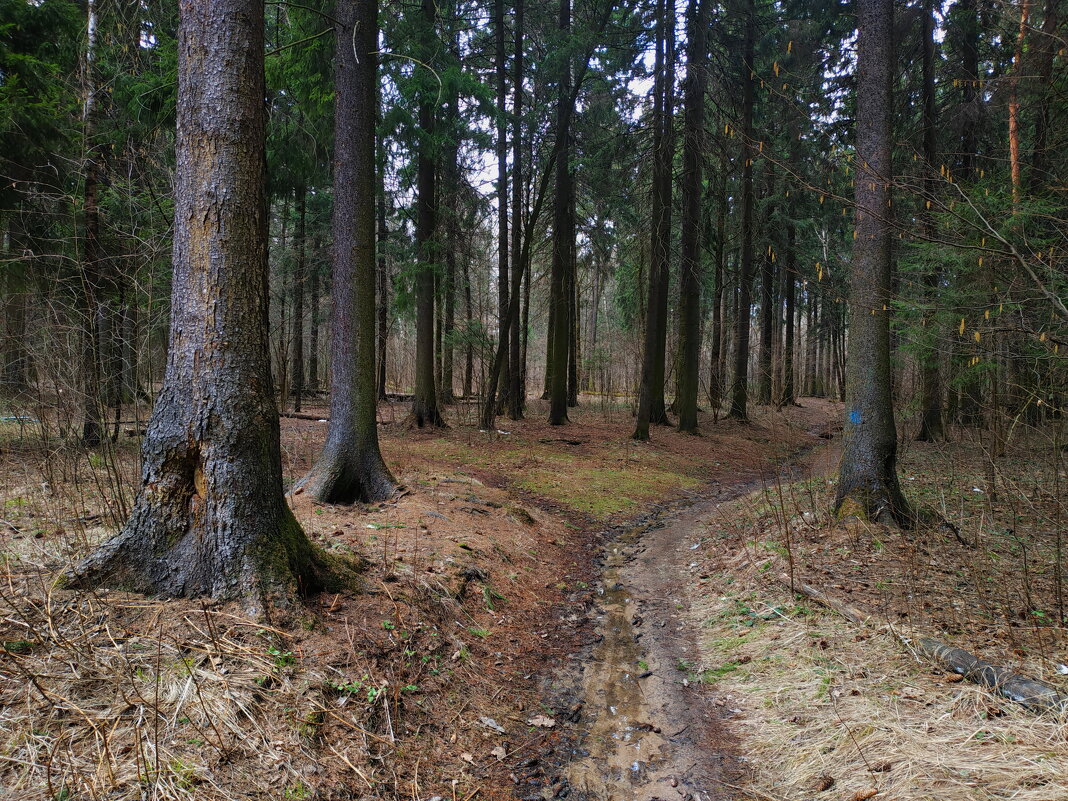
(850, 613)
(1032, 694)
(302, 416)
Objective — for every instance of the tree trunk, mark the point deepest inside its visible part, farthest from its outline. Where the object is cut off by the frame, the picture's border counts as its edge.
(425, 410)
(931, 388)
(665, 169)
(740, 389)
(210, 517)
(562, 233)
(1046, 52)
(516, 390)
(789, 392)
(92, 289)
(350, 467)
(382, 307)
(651, 408)
(451, 168)
(768, 306)
(572, 306)
(868, 484)
(299, 275)
(690, 263)
(313, 323)
(469, 350)
(19, 256)
(718, 342)
(500, 72)
(1014, 104)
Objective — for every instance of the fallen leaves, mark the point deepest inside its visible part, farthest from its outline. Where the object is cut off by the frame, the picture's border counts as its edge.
(542, 722)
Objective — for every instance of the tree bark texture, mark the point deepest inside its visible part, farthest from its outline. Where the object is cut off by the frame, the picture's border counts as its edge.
(210, 517)
(350, 467)
(868, 484)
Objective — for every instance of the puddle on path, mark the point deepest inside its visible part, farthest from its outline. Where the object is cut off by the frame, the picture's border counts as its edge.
(643, 724)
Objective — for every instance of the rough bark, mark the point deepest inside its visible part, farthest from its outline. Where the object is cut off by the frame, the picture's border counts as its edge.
(868, 484)
(740, 388)
(210, 518)
(690, 261)
(350, 467)
(425, 409)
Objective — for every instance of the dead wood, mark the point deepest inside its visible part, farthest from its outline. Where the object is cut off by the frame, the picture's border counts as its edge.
(1033, 695)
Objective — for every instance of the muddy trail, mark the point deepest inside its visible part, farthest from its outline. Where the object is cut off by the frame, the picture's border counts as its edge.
(646, 728)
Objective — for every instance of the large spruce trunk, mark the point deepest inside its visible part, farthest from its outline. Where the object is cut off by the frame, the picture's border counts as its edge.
(210, 518)
(350, 467)
(868, 485)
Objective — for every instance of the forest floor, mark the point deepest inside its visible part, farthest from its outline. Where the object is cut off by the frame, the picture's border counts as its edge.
(547, 612)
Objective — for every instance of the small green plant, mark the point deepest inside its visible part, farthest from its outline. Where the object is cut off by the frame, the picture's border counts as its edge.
(388, 625)
(282, 658)
(296, 792)
(478, 632)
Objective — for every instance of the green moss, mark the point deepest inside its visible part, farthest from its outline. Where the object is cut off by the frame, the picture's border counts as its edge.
(605, 491)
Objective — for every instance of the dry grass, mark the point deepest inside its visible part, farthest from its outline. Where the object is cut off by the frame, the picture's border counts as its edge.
(816, 701)
(475, 592)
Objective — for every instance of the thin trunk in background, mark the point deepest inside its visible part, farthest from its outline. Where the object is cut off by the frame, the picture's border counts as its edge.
(740, 388)
(651, 390)
(517, 350)
(930, 380)
(425, 409)
(562, 234)
(299, 276)
(692, 177)
(383, 295)
(788, 396)
(501, 126)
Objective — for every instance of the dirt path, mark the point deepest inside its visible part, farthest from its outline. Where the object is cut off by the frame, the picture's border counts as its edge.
(649, 728)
